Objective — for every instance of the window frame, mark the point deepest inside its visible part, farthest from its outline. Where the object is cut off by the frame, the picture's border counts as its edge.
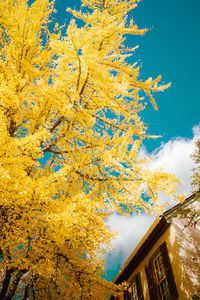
(137, 282)
(134, 284)
(153, 285)
(159, 281)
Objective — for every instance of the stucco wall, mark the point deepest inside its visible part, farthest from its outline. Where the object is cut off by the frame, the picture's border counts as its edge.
(188, 244)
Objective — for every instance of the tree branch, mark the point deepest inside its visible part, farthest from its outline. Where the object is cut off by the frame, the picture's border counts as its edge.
(86, 176)
(79, 63)
(56, 124)
(84, 85)
(63, 256)
(112, 125)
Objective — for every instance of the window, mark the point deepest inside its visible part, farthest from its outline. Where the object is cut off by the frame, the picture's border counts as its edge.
(135, 289)
(134, 294)
(160, 277)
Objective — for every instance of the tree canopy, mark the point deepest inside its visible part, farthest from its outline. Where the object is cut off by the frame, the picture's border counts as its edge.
(196, 170)
(193, 214)
(70, 145)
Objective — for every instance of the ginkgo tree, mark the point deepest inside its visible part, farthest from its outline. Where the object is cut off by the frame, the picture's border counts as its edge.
(196, 170)
(69, 148)
(193, 214)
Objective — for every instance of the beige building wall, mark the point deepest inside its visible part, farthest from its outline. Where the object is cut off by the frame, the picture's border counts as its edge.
(188, 248)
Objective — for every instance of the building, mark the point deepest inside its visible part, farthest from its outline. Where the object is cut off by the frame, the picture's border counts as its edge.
(165, 265)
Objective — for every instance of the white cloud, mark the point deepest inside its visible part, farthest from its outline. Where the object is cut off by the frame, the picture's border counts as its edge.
(174, 157)
(130, 231)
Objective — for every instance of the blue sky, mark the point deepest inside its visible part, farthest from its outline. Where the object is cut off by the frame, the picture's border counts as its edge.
(170, 48)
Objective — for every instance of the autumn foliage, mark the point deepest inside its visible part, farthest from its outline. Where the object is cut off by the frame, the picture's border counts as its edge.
(70, 138)
(196, 170)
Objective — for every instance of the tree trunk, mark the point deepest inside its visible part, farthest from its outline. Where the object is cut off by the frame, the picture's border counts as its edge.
(6, 283)
(15, 283)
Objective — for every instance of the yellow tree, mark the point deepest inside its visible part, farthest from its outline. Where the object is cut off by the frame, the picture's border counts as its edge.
(70, 139)
(196, 170)
(193, 214)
